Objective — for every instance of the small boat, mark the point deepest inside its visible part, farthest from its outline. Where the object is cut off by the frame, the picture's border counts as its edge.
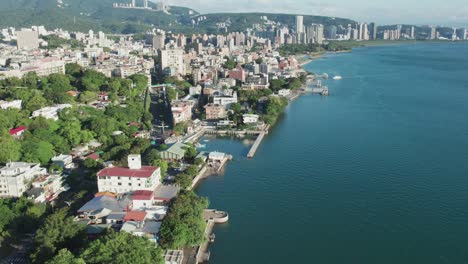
(337, 77)
(212, 238)
(325, 76)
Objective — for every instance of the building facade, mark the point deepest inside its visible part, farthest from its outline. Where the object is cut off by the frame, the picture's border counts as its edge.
(124, 180)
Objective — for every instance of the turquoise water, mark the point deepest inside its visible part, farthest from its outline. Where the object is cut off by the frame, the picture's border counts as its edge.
(375, 173)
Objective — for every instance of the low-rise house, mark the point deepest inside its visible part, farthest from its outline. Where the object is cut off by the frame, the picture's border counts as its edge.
(250, 118)
(16, 104)
(225, 123)
(215, 112)
(165, 193)
(216, 157)
(46, 188)
(226, 82)
(64, 161)
(225, 100)
(284, 92)
(182, 111)
(17, 132)
(16, 176)
(135, 177)
(103, 97)
(142, 199)
(50, 112)
(94, 207)
(173, 257)
(175, 152)
(195, 90)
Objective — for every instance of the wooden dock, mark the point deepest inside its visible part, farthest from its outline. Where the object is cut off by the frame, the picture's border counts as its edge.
(255, 146)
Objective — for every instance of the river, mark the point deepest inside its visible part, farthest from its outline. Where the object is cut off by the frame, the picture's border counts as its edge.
(375, 173)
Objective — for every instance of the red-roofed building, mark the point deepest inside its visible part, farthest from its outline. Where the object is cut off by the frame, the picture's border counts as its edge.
(93, 156)
(133, 178)
(142, 199)
(138, 216)
(17, 132)
(103, 97)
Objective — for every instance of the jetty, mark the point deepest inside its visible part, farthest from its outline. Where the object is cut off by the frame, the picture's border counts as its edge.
(255, 146)
(212, 217)
(217, 160)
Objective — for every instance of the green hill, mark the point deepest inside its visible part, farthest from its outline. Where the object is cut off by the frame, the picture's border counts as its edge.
(83, 15)
(240, 21)
(88, 14)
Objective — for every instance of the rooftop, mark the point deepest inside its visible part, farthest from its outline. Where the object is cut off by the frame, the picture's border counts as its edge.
(111, 203)
(144, 172)
(165, 192)
(142, 195)
(14, 131)
(135, 216)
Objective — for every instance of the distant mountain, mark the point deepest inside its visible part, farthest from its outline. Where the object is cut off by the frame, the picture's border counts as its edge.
(240, 21)
(83, 15)
(89, 14)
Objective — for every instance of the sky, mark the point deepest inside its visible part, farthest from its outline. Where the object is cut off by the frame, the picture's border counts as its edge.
(420, 12)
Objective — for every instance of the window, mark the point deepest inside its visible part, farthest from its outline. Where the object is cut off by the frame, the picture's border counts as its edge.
(120, 184)
(129, 184)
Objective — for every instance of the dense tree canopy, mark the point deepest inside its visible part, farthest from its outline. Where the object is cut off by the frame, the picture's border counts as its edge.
(184, 225)
(58, 232)
(122, 248)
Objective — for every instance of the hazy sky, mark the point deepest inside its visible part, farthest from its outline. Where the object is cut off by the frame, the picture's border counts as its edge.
(444, 12)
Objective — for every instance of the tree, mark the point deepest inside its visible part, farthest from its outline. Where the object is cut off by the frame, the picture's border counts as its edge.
(73, 69)
(90, 163)
(229, 64)
(58, 232)
(87, 97)
(277, 84)
(37, 151)
(162, 164)
(10, 149)
(190, 152)
(30, 80)
(184, 225)
(236, 107)
(65, 257)
(71, 131)
(36, 102)
(122, 248)
(179, 128)
(171, 93)
(92, 80)
(184, 180)
(151, 155)
(59, 83)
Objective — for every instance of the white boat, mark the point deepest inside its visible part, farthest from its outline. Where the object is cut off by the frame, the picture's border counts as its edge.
(337, 77)
(325, 76)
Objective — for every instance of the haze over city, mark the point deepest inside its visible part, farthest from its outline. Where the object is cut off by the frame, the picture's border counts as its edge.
(387, 12)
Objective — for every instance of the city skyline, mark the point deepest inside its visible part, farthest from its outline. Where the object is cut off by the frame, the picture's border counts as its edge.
(382, 12)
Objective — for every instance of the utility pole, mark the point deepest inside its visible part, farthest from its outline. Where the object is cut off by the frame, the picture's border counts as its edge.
(162, 126)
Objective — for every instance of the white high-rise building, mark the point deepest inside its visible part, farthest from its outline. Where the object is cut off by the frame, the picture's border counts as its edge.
(299, 24)
(172, 60)
(27, 39)
(412, 35)
(433, 33)
(363, 31)
(16, 176)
